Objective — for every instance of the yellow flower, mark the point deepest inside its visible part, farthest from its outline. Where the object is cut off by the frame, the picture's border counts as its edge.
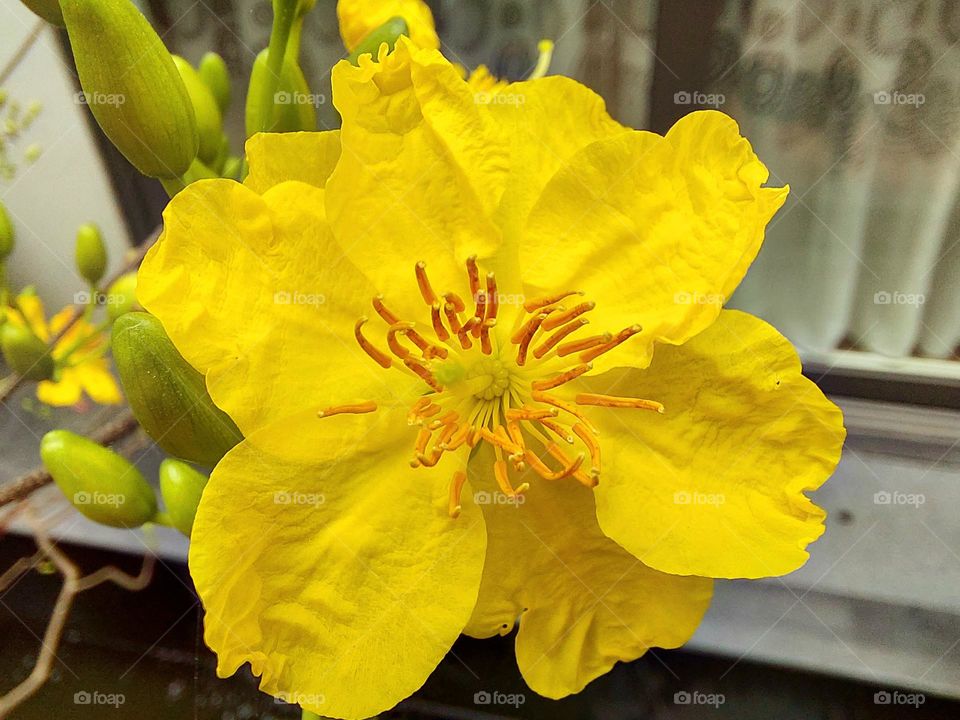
(358, 18)
(85, 371)
(395, 315)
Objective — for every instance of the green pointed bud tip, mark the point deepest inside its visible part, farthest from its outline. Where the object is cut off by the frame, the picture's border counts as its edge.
(90, 253)
(216, 76)
(25, 353)
(167, 395)
(205, 110)
(132, 86)
(181, 488)
(49, 10)
(294, 106)
(122, 296)
(6, 233)
(386, 33)
(101, 484)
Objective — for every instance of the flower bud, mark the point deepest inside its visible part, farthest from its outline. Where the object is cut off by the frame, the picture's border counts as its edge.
(293, 110)
(132, 86)
(215, 75)
(6, 234)
(91, 253)
(99, 483)
(386, 33)
(49, 10)
(167, 395)
(181, 487)
(122, 296)
(205, 109)
(25, 353)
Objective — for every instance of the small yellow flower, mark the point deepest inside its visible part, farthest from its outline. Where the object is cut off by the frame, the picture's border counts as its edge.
(479, 356)
(358, 18)
(86, 370)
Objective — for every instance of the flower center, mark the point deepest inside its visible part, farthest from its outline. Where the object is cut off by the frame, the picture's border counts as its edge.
(508, 388)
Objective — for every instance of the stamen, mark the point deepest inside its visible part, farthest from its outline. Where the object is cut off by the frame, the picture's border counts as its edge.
(493, 299)
(592, 445)
(499, 441)
(481, 312)
(545, 472)
(456, 488)
(558, 430)
(541, 302)
(432, 459)
(579, 345)
(452, 318)
(423, 373)
(545, 50)
(395, 347)
(380, 357)
(558, 403)
(528, 413)
(571, 466)
(383, 311)
(555, 321)
(532, 328)
(473, 273)
(417, 408)
(447, 420)
(562, 378)
(456, 301)
(623, 335)
(458, 438)
(438, 327)
(618, 402)
(548, 344)
(485, 328)
(464, 334)
(503, 480)
(357, 408)
(429, 296)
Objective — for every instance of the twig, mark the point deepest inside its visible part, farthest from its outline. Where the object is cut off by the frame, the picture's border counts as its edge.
(73, 584)
(37, 478)
(77, 313)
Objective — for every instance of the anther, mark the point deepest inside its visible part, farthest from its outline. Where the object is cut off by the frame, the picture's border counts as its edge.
(423, 373)
(380, 357)
(539, 396)
(452, 318)
(456, 488)
(527, 413)
(503, 478)
(528, 336)
(481, 312)
(473, 273)
(623, 335)
(357, 408)
(383, 311)
(555, 321)
(562, 378)
(438, 328)
(576, 346)
(464, 335)
(557, 429)
(393, 343)
(456, 301)
(426, 291)
(592, 445)
(548, 344)
(485, 328)
(617, 402)
(493, 299)
(541, 302)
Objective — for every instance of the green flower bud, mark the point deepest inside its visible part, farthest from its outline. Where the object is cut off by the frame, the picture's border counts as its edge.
(293, 110)
(386, 33)
(215, 75)
(181, 487)
(49, 10)
(205, 109)
(25, 353)
(6, 234)
(167, 395)
(99, 483)
(132, 86)
(91, 253)
(122, 296)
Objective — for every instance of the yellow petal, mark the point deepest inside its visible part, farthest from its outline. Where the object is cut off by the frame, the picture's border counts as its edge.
(98, 382)
(332, 566)
(583, 602)
(715, 485)
(63, 393)
(31, 312)
(255, 294)
(658, 231)
(277, 157)
(420, 174)
(358, 18)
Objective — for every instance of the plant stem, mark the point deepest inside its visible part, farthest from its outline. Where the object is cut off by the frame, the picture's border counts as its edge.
(284, 14)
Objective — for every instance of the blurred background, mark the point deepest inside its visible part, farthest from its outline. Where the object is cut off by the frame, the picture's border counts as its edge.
(855, 104)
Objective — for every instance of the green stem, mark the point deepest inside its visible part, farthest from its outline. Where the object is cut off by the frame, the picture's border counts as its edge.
(284, 14)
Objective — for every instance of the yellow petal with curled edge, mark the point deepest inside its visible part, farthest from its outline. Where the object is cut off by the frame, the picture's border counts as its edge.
(583, 602)
(305, 156)
(420, 174)
(358, 18)
(330, 565)
(657, 230)
(715, 485)
(255, 294)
